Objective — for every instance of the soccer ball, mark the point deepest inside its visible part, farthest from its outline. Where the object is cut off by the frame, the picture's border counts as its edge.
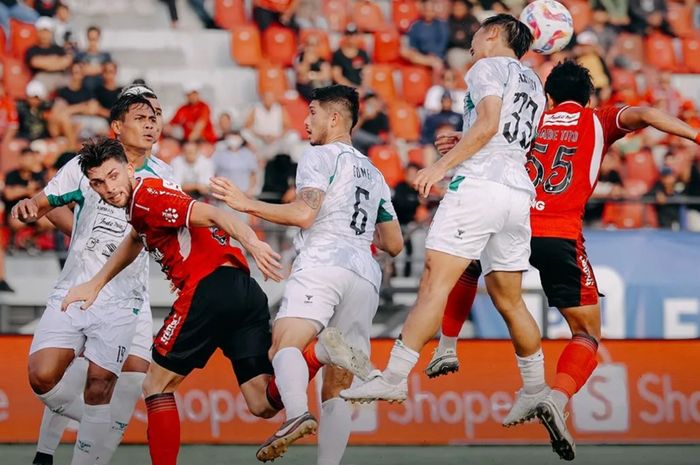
(551, 25)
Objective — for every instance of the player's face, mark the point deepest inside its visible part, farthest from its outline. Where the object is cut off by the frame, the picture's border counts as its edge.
(139, 128)
(317, 123)
(112, 181)
(478, 40)
(159, 115)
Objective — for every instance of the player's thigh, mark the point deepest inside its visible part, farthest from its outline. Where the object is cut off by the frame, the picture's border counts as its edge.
(354, 314)
(441, 272)
(508, 249)
(109, 336)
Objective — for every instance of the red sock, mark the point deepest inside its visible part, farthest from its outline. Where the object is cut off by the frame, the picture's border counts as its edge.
(163, 428)
(460, 301)
(309, 353)
(576, 363)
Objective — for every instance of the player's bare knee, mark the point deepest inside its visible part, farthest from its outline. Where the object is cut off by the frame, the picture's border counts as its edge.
(42, 380)
(585, 328)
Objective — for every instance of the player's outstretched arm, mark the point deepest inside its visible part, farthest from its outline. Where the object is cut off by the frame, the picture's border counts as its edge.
(388, 237)
(301, 212)
(87, 292)
(30, 210)
(632, 118)
(266, 258)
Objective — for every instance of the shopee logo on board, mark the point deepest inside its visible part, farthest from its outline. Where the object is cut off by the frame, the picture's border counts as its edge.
(602, 405)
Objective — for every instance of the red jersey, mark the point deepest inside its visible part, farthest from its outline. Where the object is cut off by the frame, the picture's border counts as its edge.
(564, 163)
(160, 213)
(188, 115)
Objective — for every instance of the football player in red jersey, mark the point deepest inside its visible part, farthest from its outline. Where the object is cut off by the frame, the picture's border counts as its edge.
(563, 165)
(219, 305)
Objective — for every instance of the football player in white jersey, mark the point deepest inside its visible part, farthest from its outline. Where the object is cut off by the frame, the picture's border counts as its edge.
(485, 213)
(59, 337)
(343, 204)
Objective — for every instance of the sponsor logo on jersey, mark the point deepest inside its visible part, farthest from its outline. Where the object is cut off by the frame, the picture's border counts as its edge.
(170, 329)
(459, 233)
(538, 205)
(108, 224)
(109, 249)
(219, 236)
(171, 215)
(585, 267)
(561, 118)
(308, 299)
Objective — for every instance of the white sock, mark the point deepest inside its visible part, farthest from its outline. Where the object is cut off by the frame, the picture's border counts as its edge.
(51, 431)
(64, 398)
(93, 430)
(292, 378)
(333, 431)
(127, 392)
(532, 371)
(401, 363)
(560, 399)
(447, 342)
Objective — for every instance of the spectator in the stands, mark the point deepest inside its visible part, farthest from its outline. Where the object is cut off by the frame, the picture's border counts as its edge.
(648, 15)
(617, 11)
(269, 12)
(9, 121)
(108, 92)
(194, 117)
(46, 7)
(445, 117)
(312, 71)
(198, 8)
(224, 126)
(689, 175)
(450, 81)
(589, 55)
(192, 171)
(76, 103)
(663, 192)
(93, 59)
(609, 186)
(606, 34)
(234, 161)
(427, 39)
(372, 125)
(406, 202)
(462, 27)
(13, 9)
(662, 93)
(350, 59)
(46, 60)
(33, 113)
(63, 31)
(307, 15)
(268, 128)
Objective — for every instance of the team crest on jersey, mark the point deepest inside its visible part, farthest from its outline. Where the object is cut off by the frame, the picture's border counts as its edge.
(561, 118)
(171, 215)
(220, 236)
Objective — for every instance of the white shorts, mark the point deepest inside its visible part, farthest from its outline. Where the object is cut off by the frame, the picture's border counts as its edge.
(484, 220)
(106, 334)
(143, 337)
(335, 297)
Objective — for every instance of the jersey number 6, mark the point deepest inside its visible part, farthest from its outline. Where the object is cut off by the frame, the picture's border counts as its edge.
(359, 193)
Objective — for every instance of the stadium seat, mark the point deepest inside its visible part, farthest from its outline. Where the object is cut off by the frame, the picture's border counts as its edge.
(321, 36)
(297, 109)
(416, 155)
(368, 16)
(230, 13)
(641, 167)
(279, 45)
(415, 82)
(691, 54)
(631, 47)
(629, 215)
(15, 77)
(272, 78)
(336, 13)
(680, 17)
(404, 121)
(581, 13)
(22, 36)
(387, 160)
(387, 46)
(10, 158)
(3, 42)
(659, 52)
(404, 13)
(381, 81)
(245, 45)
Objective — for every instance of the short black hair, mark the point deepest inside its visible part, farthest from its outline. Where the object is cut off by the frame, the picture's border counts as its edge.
(569, 81)
(27, 150)
(98, 150)
(517, 35)
(124, 102)
(93, 28)
(345, 96)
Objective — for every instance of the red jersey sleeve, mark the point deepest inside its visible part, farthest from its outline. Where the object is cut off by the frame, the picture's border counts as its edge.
(162, 204)
(610, 120)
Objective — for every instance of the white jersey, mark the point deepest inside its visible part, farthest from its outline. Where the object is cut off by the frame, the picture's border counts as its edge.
(98, 229)
(356, 198)
(503, 158)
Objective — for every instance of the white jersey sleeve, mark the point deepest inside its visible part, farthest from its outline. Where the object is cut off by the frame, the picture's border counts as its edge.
(314, 170)
(386, 211)
(67, 185)
(486, 78)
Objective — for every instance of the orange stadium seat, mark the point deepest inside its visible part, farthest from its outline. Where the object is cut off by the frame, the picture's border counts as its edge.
(336, 13)
(381, 81)
(691, 54)
(22, 36)
(404, 121)
(659, 52)
(581, 14)
(368, 16)
(404, 13)
(416, 155)
(415, 82)
(387, 160)
(324, 46)
(387, 46)
(631, 47)
(272, 78)
(641, 167)
(3, 43)
(279, 45)
(629, 215)
(230, 13)
(297, 109)
(680, 17)
(245, 45)
(15, 77)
